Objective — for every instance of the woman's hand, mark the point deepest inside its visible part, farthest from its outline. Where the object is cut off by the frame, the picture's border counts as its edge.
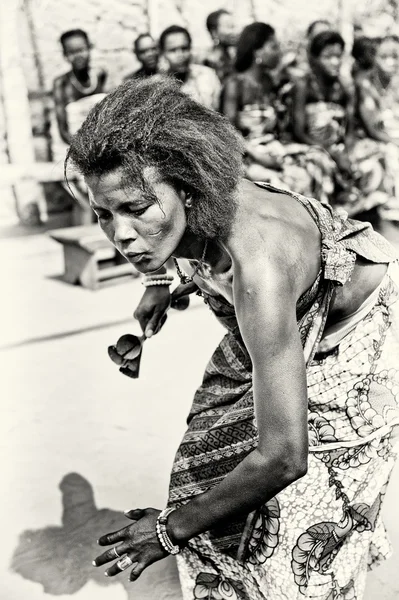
(136, 545)
(152, 308)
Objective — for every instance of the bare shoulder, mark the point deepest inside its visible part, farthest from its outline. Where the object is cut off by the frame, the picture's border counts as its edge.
(272, 230)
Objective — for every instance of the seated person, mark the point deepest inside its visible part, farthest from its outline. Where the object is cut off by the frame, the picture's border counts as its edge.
(378, 107)
(256, 99)
(323, 110)
(78, 84)
(221, 56)
(75, 93)
(146, 51)
(198, 81)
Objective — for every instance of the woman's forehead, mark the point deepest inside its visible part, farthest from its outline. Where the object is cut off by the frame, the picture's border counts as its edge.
(118, 180)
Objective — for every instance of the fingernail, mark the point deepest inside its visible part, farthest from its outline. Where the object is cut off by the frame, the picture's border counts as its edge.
(98, 541)
(94, 563)
(106, 574)
(149, 333)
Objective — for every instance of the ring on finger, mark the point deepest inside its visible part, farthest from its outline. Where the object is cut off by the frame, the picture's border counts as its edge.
(116, 554)
(124, 563)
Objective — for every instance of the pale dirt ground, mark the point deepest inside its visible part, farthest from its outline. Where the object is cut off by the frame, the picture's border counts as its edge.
(66, 409)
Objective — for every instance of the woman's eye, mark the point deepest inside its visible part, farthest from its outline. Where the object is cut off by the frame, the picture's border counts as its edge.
(103, 216)
(138, 212)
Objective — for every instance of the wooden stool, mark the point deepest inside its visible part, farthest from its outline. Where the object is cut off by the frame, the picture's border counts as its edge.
(90, 259)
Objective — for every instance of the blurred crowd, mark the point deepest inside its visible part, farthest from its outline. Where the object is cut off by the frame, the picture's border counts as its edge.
(323, 121)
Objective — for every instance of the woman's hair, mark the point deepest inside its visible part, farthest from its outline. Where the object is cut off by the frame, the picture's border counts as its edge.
(151, 122)
(74, 33)
(324, 39)
(314, 24)
(252, 37)
(172, 30)
(363, 51)
(212, 20)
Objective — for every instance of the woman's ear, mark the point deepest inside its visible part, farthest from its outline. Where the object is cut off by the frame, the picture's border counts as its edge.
(186, 198)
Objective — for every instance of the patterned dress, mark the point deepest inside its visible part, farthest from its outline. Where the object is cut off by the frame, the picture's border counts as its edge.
(318, 537)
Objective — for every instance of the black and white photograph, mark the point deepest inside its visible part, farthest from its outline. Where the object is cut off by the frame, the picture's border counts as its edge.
(199, 238)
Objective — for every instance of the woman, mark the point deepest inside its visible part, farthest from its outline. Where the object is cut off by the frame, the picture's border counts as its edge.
(198, 81)
(256, 100)
(378, 107)
(323, 110)
(277, 485)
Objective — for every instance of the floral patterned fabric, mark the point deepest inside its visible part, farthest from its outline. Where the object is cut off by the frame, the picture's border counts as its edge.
(317, 538)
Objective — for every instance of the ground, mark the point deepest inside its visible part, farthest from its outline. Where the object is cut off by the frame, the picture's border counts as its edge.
(82, 441)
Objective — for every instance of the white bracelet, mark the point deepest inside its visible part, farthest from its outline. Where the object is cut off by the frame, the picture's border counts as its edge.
(163, 535)
(156, 282)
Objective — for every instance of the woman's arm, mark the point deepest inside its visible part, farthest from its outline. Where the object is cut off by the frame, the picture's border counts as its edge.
(60, 112)
(265, 307)
(299, 113)
(368, 109)
(229, 103)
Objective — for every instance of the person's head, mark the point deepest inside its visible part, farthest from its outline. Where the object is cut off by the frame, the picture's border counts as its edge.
(160, 168)
(76, 47)
(146, 50)
(221, 27)
(386, 58)
(257, 44)
(317, 27)
(363, 52)
(175, 45)
(326, 52)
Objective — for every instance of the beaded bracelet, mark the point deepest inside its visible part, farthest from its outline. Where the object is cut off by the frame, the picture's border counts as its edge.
(163, 535)
(157, 282)
(161, 279)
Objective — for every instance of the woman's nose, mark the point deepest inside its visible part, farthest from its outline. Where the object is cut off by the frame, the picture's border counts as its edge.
(123, 230)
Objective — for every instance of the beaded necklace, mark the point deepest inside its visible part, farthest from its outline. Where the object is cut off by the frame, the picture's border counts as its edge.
(81, 88)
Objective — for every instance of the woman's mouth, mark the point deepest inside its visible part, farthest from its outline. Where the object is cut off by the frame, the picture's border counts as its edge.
(135, 257)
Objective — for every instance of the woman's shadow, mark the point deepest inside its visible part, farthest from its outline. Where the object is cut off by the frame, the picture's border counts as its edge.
(60, 558)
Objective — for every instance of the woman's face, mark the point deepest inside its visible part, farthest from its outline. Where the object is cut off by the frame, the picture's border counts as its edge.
(269, 55)
(177, 51)
(387, 57)
(330, 60)
(145, 232)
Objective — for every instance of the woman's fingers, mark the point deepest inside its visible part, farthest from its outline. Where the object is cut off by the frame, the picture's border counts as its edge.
(155, 323)
(114, 553)
(137, 571)
(113, 538)
(121, 565)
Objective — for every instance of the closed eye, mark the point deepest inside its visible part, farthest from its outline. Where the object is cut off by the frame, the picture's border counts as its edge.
(103, 215)
(136, 212)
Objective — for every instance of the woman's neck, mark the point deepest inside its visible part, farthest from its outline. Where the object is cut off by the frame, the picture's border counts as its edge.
(257, 73)
(326, 80)
(82, 75)
(209, 252)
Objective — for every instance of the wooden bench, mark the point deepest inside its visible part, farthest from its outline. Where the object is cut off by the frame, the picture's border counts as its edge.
(90, 259)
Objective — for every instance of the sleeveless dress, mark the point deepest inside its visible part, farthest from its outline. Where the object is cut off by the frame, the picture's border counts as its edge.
(318, 537)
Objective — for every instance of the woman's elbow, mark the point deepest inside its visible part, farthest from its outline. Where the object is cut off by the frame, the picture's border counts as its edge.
(289, 465)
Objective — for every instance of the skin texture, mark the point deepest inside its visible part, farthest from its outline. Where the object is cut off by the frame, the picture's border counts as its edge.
(386, 65)
(262, 304)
